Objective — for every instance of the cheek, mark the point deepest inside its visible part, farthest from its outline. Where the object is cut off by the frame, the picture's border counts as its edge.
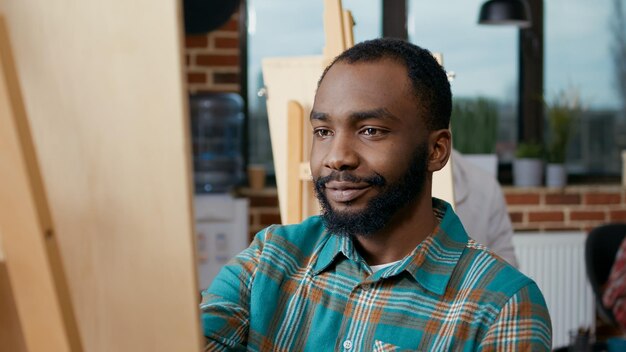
(389, 164)
(392, 162)
(316, 159)
(385, 162)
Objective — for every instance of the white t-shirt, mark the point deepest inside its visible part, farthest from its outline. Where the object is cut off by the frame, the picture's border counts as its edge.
(379, 267)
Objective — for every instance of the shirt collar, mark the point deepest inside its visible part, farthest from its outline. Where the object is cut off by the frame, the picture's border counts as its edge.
(431, 263)
(333, 247)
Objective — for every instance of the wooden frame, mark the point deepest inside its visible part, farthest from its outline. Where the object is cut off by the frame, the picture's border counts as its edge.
(28, 238)
(103, 85)
(291, 84)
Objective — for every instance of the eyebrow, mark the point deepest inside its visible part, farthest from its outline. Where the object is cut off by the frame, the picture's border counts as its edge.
(356, 116)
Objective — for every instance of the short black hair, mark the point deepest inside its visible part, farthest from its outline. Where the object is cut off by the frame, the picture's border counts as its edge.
(429, 80)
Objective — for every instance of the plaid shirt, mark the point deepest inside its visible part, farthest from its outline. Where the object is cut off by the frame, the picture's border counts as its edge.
(298, 288)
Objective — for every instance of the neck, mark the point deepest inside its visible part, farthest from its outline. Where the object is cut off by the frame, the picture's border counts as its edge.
(407, 228)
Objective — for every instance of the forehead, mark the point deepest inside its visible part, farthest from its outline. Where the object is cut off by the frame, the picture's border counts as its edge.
(366, 85)
(384, 78)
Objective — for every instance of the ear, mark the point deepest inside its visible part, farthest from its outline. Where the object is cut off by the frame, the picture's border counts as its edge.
(440, 147)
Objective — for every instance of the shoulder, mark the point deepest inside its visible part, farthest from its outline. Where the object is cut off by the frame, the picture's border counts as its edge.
(479, 269)
(504, 297)
(518, 314)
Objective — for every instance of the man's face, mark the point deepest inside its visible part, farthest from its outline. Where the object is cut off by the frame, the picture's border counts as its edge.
(370, 149)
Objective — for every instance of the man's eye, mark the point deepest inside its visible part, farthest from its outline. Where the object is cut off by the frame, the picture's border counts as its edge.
(371, 131)
(320, 132)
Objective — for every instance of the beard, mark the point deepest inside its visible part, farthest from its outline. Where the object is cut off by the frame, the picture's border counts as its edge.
(379, 210)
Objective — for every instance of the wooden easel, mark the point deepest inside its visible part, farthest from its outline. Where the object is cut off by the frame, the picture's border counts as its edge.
(96, 202)
(39, 287)
(291, 83)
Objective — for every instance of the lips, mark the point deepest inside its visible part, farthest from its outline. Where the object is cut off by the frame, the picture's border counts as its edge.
(343, 192)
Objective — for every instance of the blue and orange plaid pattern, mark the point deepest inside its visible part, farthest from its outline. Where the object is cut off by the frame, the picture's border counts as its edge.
(299, 288)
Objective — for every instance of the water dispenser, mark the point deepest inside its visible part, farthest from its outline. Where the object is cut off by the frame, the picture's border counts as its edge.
(216, 132)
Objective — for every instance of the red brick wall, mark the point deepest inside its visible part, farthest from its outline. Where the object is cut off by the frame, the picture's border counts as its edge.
(578, 208)
(213, 59)
(573, 208)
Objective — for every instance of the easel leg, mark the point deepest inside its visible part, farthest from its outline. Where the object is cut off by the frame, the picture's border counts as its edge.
(31, 256)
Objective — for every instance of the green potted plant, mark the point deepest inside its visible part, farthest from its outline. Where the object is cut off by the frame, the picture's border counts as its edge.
(474, 126)
(562, 112)
(528, 164)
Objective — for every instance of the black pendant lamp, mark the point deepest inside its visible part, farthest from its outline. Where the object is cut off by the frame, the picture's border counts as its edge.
(505, 12)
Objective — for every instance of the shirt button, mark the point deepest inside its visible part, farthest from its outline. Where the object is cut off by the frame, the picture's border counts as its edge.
(347, 344)
(366, 287)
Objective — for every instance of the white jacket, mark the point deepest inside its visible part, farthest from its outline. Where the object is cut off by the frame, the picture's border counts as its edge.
(481, 206)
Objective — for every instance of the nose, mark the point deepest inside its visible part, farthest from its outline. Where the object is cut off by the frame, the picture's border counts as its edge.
(341, 155)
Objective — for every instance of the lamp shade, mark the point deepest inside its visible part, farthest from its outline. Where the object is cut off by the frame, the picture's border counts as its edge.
(505, 12)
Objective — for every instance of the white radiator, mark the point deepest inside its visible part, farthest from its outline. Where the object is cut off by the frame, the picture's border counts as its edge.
(556, 261)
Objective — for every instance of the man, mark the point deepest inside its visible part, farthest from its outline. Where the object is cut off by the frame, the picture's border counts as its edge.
(481, 207)
(386, 267)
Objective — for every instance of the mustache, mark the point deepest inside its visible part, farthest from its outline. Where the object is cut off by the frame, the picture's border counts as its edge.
(344, 176)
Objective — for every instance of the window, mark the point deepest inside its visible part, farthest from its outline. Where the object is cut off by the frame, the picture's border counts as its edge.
(581, 46)
(484, 59)
(581, 54)
(281, 28)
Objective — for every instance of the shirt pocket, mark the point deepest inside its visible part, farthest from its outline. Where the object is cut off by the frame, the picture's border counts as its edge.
(380, 346)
